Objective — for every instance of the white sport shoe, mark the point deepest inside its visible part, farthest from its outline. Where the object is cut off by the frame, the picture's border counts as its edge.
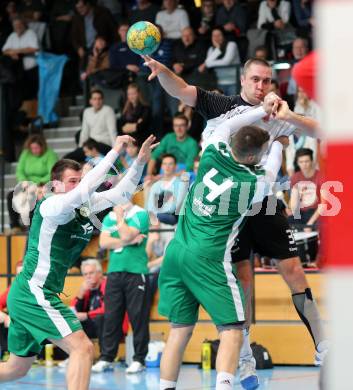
(135, 367)
(248, 377)
(320, 353)
(64, 363)
(102, 366)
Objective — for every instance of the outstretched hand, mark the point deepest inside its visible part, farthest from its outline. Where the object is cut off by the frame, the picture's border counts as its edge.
(146, 149)
(155, 66)
(121, 142)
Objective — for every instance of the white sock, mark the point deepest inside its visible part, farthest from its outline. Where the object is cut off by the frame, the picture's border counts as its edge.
(224, 381)
(245, 351)
(166, 385)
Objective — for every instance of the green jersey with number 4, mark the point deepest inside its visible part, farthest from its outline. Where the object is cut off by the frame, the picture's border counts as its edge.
(217, 203)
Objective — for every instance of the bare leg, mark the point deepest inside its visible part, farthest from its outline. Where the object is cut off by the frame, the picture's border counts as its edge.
(245, 275)
(16, 367)
(293, 274)
(228, 351)
(81, 352)
(173, 352)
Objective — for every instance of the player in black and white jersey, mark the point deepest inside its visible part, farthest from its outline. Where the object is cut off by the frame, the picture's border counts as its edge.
(268, 234)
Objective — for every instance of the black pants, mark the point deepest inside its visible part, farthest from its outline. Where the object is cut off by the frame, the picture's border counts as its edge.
(125, 292)
(3, 339)
(93, 327)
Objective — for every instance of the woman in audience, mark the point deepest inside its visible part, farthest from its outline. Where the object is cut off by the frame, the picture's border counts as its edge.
(135, 119)
(33, 169)
(98, 60)
(221, 57)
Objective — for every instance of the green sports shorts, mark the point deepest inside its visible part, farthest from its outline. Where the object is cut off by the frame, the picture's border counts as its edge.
(36, 314)
(187, 281)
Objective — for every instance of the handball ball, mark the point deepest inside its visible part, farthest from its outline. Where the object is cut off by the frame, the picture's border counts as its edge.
(143, 38)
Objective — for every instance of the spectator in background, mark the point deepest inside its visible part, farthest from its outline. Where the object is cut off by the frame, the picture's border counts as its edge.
(60, 18)
(5, 27)
(178, 143)
(275, 87)
(300, 49)
(4, 317)
(91, 150)
(124, 233)
(99, 123)
(208, 20)
(34, 166)
(89, 22)
(89, 301)
(31, 10)
(261, 52)
(303, 11)
(135, 119)
(306, 107)
(305, 191)
(273, 14)
(196, 121)
(232, 17)
(98, 59)
(11, 10)
(172, 19)
(143, 10)
(20, 46)
(123, 59)
(222, 57)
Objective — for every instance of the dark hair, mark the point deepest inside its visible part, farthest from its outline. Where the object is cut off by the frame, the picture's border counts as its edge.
(84, 2)
(36, 139)
(168, 155)
(275, 82)
(254, 61)
(96, 90)
(91, 144)
(304, 152)
(248, 141)
(181, 116)
(61, 165)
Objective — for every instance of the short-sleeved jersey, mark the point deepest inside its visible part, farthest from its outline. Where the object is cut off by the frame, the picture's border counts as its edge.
(217, 203)
(216, 108)
(54, 246)
(131, 258)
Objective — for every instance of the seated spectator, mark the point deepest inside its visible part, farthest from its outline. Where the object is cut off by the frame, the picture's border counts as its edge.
(273, 14)
(124, 234)
(98, 60)
(306, 107)
(178, 143)
(91, 150)
(90, 21)
(303, 12)
(34, 167)
(143, 10)
(60, 18)
(208, 20)
(221, 57)
(122, 59)
(166, 194)
(135, 119)
(232, 17)
(99, 123)
(89, 301)
(172, 19)
(4, 317)
(31, 10)
(20, 47)
(305, 191)
(11, 10)
(261, 52)
(275, 87)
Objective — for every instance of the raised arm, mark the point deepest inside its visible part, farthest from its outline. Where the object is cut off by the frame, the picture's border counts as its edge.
(124, 190)
(171, 83)
(66, 203)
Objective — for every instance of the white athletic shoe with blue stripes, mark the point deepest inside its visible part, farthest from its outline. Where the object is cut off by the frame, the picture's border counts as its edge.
(248, 377)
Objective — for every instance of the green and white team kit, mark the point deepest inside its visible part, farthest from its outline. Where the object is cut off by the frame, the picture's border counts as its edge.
(197, 268)
(60, 230)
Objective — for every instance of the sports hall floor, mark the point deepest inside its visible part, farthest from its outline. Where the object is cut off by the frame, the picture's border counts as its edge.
(191, 378)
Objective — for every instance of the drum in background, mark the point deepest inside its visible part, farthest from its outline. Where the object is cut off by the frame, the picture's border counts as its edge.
(308, 246)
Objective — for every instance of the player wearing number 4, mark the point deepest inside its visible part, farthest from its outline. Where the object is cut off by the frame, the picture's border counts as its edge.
(266, 233)
(60, 230)
(197, 268)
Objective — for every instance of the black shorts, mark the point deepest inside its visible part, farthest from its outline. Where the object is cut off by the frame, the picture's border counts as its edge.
(266, 233)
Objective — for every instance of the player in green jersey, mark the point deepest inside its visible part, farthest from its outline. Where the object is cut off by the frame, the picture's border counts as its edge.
(61, 228)
(197, 268)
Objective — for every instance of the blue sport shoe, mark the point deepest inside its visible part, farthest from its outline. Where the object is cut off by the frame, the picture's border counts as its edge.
(248, 377)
